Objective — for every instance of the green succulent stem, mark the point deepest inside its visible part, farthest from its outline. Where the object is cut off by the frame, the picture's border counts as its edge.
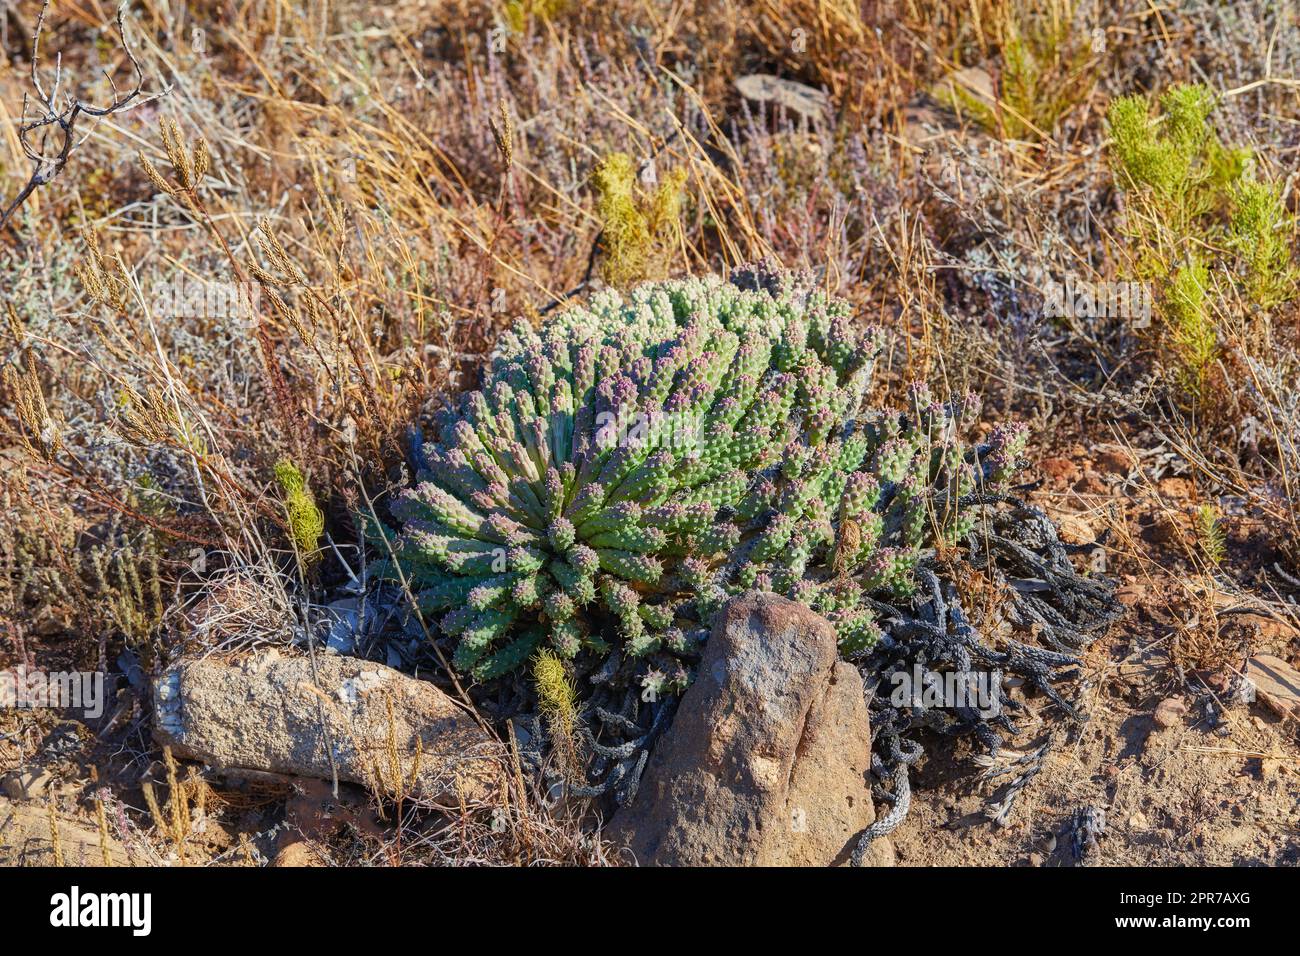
(629, 464)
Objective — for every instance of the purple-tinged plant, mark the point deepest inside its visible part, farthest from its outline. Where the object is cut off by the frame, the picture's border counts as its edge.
(629, 465)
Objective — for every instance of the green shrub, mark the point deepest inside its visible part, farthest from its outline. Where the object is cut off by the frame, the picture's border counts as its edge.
(1260, 234)
(1045, 68)
(1191, 197)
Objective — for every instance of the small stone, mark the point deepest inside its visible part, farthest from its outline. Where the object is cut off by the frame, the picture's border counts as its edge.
(343, 619)
(797, 97)
(298, 854)
(1277, 684)
(1170, 712)
(1113, 460)
(1269, 631)
(26, 784)
(1035, 859)
(1059, 470)
(968, 82)
(1138, 821)
(1131, 594)
(1075, 529)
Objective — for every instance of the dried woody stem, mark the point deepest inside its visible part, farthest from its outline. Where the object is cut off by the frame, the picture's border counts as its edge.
(52, 120)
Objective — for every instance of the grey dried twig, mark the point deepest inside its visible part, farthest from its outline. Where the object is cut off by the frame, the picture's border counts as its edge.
(48, 131)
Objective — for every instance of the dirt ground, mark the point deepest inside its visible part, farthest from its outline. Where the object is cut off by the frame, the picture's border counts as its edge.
(1185, 774)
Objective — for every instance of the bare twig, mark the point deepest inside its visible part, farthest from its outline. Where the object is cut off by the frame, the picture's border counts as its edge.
(48, 131)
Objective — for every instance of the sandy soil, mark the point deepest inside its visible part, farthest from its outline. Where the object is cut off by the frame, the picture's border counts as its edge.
(1206, 781)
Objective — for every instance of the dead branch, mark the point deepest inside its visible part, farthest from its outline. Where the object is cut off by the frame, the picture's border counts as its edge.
(48, 132)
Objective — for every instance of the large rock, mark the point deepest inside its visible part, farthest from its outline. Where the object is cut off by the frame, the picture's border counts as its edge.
(765, 763)
(266, 712)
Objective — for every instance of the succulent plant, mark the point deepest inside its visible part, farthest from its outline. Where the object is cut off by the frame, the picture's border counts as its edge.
(629, 465)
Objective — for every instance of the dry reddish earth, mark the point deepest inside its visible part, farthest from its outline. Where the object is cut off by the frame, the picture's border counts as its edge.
(1184, 775)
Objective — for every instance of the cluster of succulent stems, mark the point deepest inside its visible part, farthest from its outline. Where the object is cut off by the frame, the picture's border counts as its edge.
(630, 464)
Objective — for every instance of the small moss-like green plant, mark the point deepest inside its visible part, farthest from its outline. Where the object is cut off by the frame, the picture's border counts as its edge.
(1210, 534)
(306, 522)
(629, 465)
(557, 700)
(635, 226)
(1190, 196)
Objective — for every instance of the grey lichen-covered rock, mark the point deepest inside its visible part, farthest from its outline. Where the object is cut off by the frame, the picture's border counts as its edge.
(797, 97)
(766, 760)
(267, 712)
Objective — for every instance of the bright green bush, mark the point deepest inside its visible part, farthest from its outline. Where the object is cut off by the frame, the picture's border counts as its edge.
(1191, 195)
(1260, 233)
(630, 464)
